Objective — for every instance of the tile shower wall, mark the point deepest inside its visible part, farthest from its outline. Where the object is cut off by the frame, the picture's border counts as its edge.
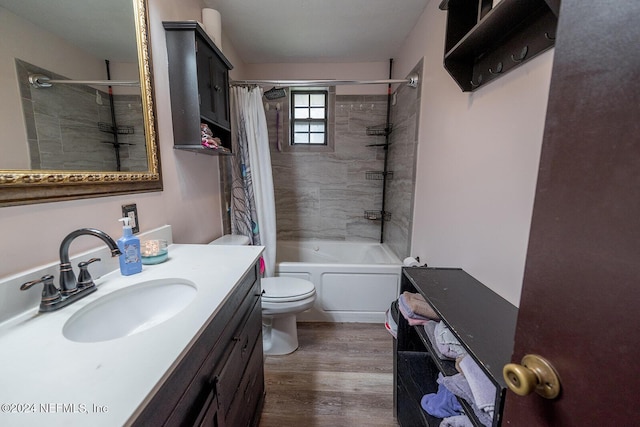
(402, 161)
(323, 195)
(63, 131)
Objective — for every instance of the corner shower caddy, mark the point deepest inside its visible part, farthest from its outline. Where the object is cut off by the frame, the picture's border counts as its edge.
(383, 175)
(381, 130)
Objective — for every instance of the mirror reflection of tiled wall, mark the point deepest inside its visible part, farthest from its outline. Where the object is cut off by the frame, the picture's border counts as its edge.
(64, 125)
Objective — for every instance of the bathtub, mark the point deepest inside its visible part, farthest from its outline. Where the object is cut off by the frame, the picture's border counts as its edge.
(355, 281)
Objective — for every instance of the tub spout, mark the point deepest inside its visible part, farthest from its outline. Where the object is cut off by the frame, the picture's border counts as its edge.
(68, 282)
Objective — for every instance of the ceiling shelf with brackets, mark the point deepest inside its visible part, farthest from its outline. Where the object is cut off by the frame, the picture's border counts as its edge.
(485, 39)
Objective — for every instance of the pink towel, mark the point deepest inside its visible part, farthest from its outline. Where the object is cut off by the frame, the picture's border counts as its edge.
(413, 321)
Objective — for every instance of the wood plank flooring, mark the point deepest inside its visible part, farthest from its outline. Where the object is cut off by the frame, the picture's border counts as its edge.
(341, 375)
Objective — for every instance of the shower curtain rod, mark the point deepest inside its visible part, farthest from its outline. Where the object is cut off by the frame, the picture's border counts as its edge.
(411, 80)
(40, 81)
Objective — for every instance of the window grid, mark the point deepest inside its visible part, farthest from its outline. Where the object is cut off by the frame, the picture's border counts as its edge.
(309, 117)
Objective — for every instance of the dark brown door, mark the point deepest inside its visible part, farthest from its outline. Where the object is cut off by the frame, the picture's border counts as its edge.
(580, 306)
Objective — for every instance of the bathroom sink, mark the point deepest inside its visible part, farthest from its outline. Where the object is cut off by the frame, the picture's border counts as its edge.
(130, 310)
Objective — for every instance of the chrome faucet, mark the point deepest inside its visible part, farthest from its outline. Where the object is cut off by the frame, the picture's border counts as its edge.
(70, 290)
(68, 282)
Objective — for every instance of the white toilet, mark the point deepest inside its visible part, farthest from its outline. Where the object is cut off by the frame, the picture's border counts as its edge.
(282, 299)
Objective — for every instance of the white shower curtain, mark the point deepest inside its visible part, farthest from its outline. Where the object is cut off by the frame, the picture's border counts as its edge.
(253, 211)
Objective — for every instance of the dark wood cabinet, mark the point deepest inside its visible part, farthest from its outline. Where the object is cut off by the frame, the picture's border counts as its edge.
(199, 86)
(482, 321)
(220, 380)
(486, 40)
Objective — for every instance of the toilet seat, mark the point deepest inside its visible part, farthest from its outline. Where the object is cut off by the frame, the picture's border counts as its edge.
(286, 289)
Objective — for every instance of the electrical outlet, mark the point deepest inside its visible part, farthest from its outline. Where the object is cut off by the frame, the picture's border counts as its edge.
(131, 211)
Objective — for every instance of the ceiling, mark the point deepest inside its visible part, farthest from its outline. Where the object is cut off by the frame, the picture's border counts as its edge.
(302, 31)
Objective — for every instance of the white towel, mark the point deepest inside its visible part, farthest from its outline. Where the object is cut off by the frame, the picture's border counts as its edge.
(458, 385)
(483, 390)
(447, 343)
(430, 328)
(456, 421)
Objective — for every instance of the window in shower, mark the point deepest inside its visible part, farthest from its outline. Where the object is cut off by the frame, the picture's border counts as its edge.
(309, 117)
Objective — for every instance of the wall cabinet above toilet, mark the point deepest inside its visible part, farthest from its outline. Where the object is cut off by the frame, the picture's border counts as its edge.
(199, 86)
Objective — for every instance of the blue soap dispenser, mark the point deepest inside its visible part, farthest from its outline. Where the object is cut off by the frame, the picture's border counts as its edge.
(129, 245)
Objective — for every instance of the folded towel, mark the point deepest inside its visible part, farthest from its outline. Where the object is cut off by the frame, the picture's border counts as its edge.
(458, 360)
(429, 328)
(413, 321)
(447, 343)
(441, 404)
(456, 421)
(458, 385)
(484, 391)
(418, 305)
(406, 309)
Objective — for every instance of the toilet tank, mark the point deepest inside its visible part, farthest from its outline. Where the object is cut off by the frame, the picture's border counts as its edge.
(232, 239)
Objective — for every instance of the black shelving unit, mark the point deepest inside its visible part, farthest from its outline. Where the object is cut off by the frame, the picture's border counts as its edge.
(483, 322)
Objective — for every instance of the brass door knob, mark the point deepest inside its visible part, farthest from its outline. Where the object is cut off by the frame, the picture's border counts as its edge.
(533, 374)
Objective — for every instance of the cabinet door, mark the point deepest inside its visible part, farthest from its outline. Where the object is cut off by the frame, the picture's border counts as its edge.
(212, 86)
(210, 415)
(246, 406)
(233, 371)
(221, 93)
(204, 62)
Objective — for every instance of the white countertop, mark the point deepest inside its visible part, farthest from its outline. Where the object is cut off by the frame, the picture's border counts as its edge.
(45, 379)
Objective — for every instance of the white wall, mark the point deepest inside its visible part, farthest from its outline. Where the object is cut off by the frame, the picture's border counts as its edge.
(190, 202)
(477, 162)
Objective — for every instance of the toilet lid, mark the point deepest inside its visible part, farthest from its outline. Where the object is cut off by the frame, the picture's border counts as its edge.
(286, 289)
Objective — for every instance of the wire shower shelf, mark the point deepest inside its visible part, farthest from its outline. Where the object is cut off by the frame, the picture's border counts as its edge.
(121, 130)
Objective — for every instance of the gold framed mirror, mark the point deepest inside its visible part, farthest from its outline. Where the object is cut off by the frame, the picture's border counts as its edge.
(102, 162)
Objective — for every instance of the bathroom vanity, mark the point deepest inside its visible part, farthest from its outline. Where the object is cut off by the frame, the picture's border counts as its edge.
(220, 380)
(200, 364)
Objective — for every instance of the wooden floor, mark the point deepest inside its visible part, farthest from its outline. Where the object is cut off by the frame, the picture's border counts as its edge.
(341, 375)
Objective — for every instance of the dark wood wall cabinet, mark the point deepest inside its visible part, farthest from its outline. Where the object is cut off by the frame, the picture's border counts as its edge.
(199, 86)
(220, 380)
(481, 320)
(486, 39)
